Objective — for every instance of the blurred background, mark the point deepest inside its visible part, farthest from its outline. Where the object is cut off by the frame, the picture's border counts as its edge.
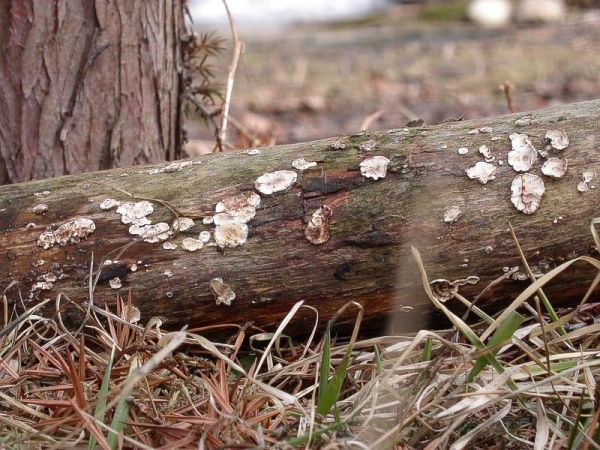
(314, 68)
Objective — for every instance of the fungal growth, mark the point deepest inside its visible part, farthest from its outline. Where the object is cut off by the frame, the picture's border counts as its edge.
(252, 152)
(338, 145)
(368, 145)
(482, 171)
(115, 283)
(222, 292)
(182, 224)
(526, 121)
(135, 212)
(169, 246)
(204, 236)
(302, 164)
(588, 177)
(278, 181)
(486, 153)
(109, 203)
(191, 244)
(39, 209)
(317, 230)
(556, 140)
(152, 233)
(555, 167)
(527, 191)
(523, 154)
(463, 151)
(230, 231)
(374, 167)
(241, 205)
(452, 214)
(70, 232)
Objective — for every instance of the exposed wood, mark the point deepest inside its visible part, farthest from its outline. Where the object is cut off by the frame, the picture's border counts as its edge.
(88, 85)
(373, 223)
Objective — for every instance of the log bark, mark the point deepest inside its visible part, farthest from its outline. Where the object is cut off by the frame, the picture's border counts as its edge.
(373, 224)
(87, 85)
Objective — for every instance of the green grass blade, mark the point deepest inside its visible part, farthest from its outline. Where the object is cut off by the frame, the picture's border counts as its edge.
(427, 350)
(120, 416)
(102, 397)
(503, 333)
(324, 369)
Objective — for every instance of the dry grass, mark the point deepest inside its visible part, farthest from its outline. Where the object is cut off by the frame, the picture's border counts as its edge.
(525, 379)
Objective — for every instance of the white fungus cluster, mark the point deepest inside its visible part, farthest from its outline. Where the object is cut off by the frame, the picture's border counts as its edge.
(317, 229)
(374, 167)
(70, 232)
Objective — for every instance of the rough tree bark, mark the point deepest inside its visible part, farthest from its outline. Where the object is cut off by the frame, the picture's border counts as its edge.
(88, 85)
(367, 257)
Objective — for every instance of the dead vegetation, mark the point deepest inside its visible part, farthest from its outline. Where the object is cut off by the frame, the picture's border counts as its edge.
(524, 379)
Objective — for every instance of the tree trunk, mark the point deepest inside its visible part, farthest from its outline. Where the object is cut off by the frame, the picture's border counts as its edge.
(365, 251)
(88, 85)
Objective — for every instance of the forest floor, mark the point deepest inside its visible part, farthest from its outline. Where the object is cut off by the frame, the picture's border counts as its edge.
(305, 82)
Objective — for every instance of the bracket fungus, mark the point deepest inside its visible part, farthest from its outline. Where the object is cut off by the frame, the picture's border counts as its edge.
(151, 233)
(527, 191)
(278, 181)
(452, 214)
(555, 167)
(109, 203)
(39, 209)
(302, 164)
(588, 177)
(482, 171)
(556, 140)
(230, 231)
(374, 167)
(243, 206)
(115, 283)
(523, 154)
(317, 230)
(222, 292)
(191, 244)
(135, 212)
(68, 233)
(486, 153)
(182, 224)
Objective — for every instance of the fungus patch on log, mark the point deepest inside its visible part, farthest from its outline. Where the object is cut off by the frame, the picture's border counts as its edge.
(278, 181)
(115, 283)
(230, 231)
(182, 224)
(151, 233)
(486, 153)
(527, 191)
(39, 209)
(68, 233)
(302, 164)
(252, 152)
(242, 206)
(463, 151)
(555, 167)
(191, 244)
(222, 292)
(482, 171)
(526, 121)
(317, 230)
(135, 212)
(368, 145)
(204, 236)
(374, 167)
(588, 177)
(338, 145)
(523, 154)
(109, 203)
(169, 246)
(556, 140)
(452, 214)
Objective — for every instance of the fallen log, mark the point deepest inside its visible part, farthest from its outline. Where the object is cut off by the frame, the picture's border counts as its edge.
(325, 233)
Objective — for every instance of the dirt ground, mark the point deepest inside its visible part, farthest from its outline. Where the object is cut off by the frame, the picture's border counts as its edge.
(307, 82)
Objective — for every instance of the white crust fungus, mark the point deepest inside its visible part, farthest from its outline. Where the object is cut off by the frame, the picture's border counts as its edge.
(463, 151)
(222, 292)
(374, 167)
(39, 209)
(368, 145)
(68, 233)
(207, 220)
(556, 140)
(243, 206)
(152, 233)
(588, 177)
(482, 171)
(486, 153)
(272, 182)
(555, 167)
(109, 203)
(317, 230)
(252, 151)
(191, 244)
(338, 145)
(230, 231)
(115, 283)
(526, 120)
(182, 224)
(452, 214)
(135, 212)
(523, 154)
(204, 236)
(169, 246)
(302, 164)
(527, 191)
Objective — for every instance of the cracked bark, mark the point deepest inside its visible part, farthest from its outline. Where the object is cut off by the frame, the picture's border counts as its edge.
(70, 98)
(372, 227)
